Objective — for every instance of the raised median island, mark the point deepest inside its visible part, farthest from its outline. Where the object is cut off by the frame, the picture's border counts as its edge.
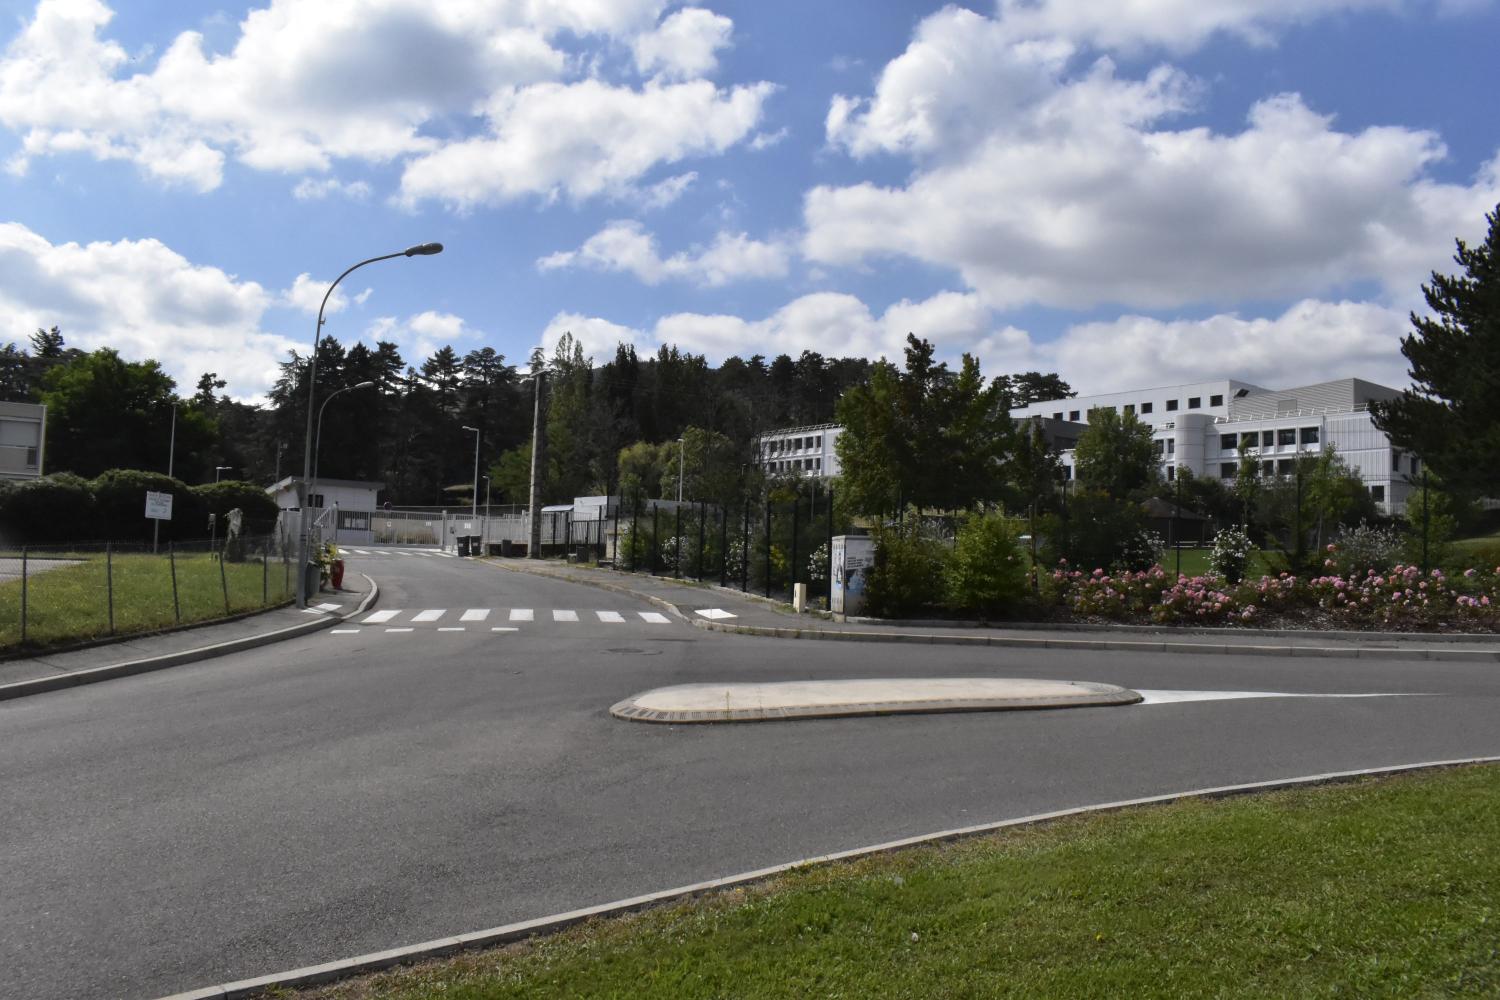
(765, 702)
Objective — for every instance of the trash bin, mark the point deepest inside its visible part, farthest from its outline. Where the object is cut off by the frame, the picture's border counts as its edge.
(314, 578)
(507, 548)
(476, 546)
(463, 545)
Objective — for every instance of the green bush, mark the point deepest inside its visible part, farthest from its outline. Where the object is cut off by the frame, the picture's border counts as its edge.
(1096, 531)
(987, 572)
(908, 574)
(120, 499)
(257, 505)
(55, 508)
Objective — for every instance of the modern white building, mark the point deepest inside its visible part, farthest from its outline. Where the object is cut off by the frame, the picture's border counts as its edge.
(353, 500)
(1201, 425)
(23, 438)
(804, 451)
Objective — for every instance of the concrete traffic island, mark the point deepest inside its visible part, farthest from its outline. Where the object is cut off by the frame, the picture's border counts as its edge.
(837, 698)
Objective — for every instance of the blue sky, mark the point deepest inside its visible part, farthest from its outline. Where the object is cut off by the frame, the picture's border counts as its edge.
(1169, 191)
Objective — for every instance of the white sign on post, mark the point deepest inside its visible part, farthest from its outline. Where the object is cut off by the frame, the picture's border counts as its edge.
(159, 506)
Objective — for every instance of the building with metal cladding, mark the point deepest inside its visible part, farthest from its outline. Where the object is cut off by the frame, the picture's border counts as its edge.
(23, 439)
(1201, 425)
(802, 451)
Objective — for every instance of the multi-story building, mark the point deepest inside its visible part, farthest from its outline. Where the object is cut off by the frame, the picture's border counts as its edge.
(1200, 426)
(804, 451)
(23, 437)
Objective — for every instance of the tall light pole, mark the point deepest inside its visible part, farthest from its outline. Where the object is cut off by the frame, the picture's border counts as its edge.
(421, 250)
(474, 510)
(681, 453)
(221, 468)
(534, 542)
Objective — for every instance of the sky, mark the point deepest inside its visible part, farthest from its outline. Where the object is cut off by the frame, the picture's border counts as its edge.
(1129, 194)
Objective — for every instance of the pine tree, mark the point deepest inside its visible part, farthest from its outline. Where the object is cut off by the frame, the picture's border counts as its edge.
(1452, 417)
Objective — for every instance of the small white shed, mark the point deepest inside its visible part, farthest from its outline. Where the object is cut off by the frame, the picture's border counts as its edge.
(355, 501)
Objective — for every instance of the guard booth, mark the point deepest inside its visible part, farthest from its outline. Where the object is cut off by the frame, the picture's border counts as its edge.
(853, 558)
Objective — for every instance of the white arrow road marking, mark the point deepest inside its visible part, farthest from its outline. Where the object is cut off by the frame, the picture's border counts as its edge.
(430, 616)
(565, 616)
(1173, 697)
(715, 613)
(380, 616)
(474, 615)
(654, 617)
(610, 616)
(522, 615)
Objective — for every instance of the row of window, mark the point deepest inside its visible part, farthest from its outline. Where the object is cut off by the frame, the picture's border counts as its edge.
(1193, 403)
(1285, 436)
(796, 465)
(777, 445)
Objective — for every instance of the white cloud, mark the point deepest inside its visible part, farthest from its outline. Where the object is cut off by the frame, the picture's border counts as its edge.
(421, 335)
(307, 294)
(664, 193)
(627, 246)
(1069, 192)
(144, 300)
(1310, 342)
(309, 82)
(583, 139)
(598, 337)
(684, 45)
(309, 189)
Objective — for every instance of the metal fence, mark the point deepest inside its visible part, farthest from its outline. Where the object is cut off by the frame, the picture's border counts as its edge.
(78, 592)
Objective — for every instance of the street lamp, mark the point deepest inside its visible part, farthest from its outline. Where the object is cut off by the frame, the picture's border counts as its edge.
(534, 531)
(420, 250)
(681, 450)
(474, 510)
(221, 468)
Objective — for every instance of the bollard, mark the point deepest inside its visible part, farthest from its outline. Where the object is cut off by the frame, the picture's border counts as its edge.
(799, 597)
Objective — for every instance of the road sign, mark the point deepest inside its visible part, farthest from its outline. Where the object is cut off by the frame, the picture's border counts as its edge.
(159, 505)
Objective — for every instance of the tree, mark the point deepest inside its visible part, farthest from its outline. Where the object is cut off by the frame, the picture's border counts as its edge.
(1115, 455)
(1453, 413)
(1024, 388)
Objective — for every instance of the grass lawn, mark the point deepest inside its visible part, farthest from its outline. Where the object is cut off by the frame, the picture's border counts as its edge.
(71, 603)
(1385, 888)
(1195, 563)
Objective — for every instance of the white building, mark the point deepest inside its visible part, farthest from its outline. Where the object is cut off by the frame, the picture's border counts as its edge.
(353, 500)
(805, 451)
(23, 437)
(1200, 426)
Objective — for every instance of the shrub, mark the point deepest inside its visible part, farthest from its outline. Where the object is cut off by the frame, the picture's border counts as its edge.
(1099, 531)
(1363, 547)
(258, 507)
(120, 496)
(1231, 553)
(987, 571)
(55, 508)
(908, 573)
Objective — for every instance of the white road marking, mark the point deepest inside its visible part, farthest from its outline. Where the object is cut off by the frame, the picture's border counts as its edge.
(344, 631)
(503, 628)
(564, 616)
(654, 617)
(452, 628)
(429, 616)
(474, 615)
(522, 615)
(359, 552)
(610, 616)
(1174, 697)
(400, 630)
(425, 555)
(380, 616)
(715, 613)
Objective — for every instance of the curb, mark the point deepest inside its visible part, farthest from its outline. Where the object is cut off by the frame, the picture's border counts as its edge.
(1159, 630)
(1112, 645)
(492, 937)
(41, 685)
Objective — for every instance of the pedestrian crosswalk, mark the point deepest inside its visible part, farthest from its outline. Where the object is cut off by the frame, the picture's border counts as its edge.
(425, 553)
(400, 620)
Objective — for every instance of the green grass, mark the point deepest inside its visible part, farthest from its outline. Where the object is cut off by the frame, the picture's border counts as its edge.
(1195, 563)
(1386, 888)
(71, 604)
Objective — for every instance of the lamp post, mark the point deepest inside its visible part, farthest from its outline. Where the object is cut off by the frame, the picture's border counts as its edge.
(221, 468)
(681, 452)
(534, 539)
(474, 509)
(318, 440)
(421, 250)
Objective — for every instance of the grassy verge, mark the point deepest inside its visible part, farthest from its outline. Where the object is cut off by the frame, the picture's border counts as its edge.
(1195, 562)
(1386, 888)
(71, 604)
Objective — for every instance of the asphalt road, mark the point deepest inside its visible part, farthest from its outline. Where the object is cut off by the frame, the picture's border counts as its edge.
(346, 793)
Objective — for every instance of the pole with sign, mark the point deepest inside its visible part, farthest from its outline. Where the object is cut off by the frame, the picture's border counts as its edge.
(158, 509)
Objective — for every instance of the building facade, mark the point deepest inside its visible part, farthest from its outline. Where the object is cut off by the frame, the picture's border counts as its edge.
(1200, 426)
(800, 451)
(353, 500)
(23, 440)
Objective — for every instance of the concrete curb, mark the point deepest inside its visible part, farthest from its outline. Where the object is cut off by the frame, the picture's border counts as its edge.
(375, 961)
(1166, 630)
(1114, 645)
(40, 685)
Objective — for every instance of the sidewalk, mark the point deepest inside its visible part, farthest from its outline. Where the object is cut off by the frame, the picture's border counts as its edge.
(757, 616)
(139, 654)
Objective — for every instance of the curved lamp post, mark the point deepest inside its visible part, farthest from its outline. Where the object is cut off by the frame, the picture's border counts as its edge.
(420, 250)
(474, 509)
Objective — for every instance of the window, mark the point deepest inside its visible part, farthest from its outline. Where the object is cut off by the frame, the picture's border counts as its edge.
(1057, 415)
(1286, 466)
(1395, 460)
(1161, 446)
(1130, 409)
(1228, 470)
(1145, 407)
(1249, 439)
(316, 500)
(1171, 446)
(818, 441)
(1229, 442)
(1377, 493)
(1268, 468)
(1171, 404)
(1215, 400)
(1309, 435)
(1287, 435)
(1067, 473)
(1171, 473)
(1267, 438)
(1073, 415)
(818, 464)
(31, 458)
(1194, 402)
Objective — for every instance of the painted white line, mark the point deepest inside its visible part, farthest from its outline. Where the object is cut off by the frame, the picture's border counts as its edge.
(503, 628)
(564, 616)
(715, 613)
(380, 616)
(343, 631)
(426, 555)
(452, 628)
(474, 615)
(430, 615)
(1177, 697)
(401, 630)
(359, 552)
(610, 616)
(654, 617)
(522, 615)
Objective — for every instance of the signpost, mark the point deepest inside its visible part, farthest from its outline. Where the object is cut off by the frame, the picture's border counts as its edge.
(158, 509)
